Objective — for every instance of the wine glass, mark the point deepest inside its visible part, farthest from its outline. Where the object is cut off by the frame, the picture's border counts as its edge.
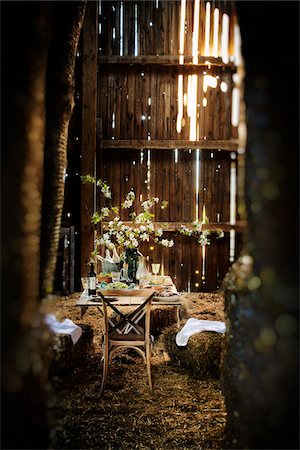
(155, 268)
(85, 283)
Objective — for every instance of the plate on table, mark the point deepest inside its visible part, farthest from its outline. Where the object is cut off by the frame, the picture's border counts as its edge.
(126, 292)
(172, 300)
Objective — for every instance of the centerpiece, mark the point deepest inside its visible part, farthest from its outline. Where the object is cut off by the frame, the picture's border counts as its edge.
(125, 237)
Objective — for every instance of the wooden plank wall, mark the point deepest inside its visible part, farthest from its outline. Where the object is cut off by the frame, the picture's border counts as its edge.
(138, 100)
(89, 114)
(127, 91)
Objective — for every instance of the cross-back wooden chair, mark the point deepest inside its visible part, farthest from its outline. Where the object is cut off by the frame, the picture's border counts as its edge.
(130, 331)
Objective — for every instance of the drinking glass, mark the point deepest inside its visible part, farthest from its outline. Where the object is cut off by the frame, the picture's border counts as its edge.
(155, 268)
(85, 283)
(115, 276)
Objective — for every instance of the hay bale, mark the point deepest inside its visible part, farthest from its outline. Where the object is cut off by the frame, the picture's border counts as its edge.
(201, 356)
(163, 317)
(66, 356)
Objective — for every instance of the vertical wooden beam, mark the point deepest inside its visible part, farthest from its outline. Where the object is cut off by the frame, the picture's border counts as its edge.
(89, 113)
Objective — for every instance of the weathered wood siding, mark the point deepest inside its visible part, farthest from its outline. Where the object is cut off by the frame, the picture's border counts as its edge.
(138, 103)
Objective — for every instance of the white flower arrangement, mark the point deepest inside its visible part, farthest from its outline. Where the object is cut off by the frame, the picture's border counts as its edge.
(196, 231)
(116, 234)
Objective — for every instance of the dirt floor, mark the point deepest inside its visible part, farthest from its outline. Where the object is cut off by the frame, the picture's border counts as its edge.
(186, 411)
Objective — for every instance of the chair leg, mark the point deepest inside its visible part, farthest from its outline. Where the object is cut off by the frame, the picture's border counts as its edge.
(148, 362)
(105, 368)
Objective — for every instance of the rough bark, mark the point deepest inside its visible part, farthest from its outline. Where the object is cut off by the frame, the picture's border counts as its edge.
(66, 25)
(25, 41)
(261, 362)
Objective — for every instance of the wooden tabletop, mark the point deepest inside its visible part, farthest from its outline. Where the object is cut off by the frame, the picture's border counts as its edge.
(128, 300)
(85, 300)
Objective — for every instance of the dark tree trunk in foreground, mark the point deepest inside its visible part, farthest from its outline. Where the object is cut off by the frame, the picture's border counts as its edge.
(261, 375)
(25, 40)
(66, 25)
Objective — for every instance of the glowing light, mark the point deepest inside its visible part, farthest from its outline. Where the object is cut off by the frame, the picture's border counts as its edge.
(232, 210)
(210, 81)
(232, 193)
(180, 103)
(185, 99)
(192, 106)
(176, 155)
(204, 102)
(182, 28)
(235, 111)
(197, 183)
(121, 28)
(136, 48)
(231, 245)
(196, 30)
(236, 78)
(203, 214)
(216, 33)
(225, 38)
(203, 262)
(149, 168)
(224, 86)
(237, 45)
(207, 30)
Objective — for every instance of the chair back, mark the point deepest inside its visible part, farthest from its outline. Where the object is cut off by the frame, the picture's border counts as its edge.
(135, 324)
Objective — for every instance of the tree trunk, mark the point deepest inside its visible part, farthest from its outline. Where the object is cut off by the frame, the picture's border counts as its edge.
(67, 23)
(261, 362)
(25, 41)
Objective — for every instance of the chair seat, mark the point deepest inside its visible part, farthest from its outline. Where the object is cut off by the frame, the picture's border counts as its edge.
(114, 336)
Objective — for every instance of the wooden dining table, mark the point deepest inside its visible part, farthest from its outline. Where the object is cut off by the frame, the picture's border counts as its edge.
(122, 299)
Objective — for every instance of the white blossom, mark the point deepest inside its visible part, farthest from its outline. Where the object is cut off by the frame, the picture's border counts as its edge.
(150, 227)
(159, 232)
(106, 237)
(130, 196)
(127, 204)
(134, 243)
(106, 192)
(105, 212)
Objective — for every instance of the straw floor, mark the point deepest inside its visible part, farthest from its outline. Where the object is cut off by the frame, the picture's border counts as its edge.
(186, 412)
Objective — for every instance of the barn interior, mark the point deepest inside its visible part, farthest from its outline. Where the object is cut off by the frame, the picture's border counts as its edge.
(194, 103)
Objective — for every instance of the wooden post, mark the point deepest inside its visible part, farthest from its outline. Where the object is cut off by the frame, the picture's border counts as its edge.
(89, 102)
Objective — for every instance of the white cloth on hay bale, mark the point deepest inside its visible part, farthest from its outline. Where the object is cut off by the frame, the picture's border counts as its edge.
(65, 327)
(194, 326)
